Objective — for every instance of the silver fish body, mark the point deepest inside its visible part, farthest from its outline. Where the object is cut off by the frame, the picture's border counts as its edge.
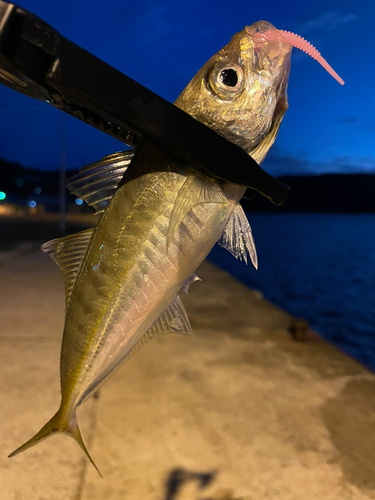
(130, 275)
(123, 277)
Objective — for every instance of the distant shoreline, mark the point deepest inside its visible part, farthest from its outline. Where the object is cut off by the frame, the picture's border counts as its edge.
(329, 193)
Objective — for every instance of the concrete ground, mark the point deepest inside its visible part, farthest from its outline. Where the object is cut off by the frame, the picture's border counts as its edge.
(239, 411)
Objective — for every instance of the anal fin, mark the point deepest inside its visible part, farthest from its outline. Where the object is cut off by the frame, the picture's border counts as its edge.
(68, 253)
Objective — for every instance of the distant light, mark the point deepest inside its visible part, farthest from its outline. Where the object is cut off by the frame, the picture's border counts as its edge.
(2, 195)
(37, 190)
(32, 203)
(20, 182)
(79, 201)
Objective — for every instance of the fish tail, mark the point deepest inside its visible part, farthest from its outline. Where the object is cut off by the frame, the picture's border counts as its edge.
(75, 433)
(54, 426)
(50, 428)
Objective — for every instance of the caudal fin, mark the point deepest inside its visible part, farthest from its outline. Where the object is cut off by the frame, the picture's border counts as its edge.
(54, 426)
(76, 435)
(51, 427)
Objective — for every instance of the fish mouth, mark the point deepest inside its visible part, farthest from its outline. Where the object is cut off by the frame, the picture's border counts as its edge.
(260, 29)
(250, 74)
(241, 94)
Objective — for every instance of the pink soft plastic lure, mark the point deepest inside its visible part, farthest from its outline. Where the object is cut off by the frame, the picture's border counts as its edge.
(300, 43)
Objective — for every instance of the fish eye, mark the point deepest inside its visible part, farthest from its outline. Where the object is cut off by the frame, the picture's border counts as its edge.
(226, 79)
(229, 77)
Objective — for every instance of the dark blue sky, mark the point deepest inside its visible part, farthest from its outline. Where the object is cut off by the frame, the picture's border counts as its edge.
(162, 44)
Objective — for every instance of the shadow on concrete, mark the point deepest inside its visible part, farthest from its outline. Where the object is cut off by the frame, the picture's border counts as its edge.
(350, 418)
(178, 477)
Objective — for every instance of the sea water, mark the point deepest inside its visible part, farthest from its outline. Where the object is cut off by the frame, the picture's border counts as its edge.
(320, 267)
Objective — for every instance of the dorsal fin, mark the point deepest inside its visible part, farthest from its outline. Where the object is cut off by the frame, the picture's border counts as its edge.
(194, 191)
(68, 253)
(237, 237)
(97, 182)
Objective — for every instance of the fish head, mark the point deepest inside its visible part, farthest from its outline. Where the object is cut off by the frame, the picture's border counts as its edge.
(241, 92)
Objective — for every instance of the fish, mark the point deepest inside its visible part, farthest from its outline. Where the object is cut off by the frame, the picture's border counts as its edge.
(159, 217)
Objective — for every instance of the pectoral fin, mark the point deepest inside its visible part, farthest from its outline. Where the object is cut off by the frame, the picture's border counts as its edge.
(195, 191)
(238, 238)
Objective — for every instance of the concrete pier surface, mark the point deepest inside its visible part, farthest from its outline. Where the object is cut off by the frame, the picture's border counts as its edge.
(239, 411)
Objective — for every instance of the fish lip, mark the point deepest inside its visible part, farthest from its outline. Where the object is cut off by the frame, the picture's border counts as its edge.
(259, 27)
